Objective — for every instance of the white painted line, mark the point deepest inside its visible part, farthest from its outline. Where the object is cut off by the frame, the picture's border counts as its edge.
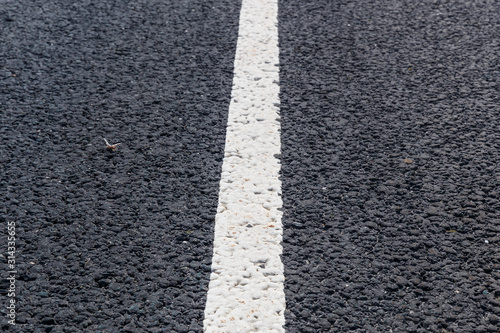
(246, 285)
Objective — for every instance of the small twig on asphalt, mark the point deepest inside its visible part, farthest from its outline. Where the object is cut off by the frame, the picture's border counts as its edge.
(111, 147)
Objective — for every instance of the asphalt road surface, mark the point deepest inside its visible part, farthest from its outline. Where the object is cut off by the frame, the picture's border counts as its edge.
(390, 154)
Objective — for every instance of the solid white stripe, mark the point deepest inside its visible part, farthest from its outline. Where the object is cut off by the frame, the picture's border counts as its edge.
(246, 285)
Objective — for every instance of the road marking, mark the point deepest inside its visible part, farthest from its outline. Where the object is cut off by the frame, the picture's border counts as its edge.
(246, 285)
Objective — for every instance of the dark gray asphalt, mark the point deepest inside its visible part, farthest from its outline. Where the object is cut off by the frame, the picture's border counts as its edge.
(390, 154)
(391, 165)
(113, 242)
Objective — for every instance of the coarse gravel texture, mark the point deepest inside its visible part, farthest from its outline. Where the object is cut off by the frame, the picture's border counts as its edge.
(113, 241)
(390, 162)
(391, 165)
